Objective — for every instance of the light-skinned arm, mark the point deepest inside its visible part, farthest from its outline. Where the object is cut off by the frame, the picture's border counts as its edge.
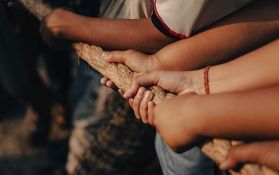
(238, 115)
(254, 70)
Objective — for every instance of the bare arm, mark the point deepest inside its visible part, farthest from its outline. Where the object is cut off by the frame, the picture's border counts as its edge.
(254, 70)
(247, 110)
(246, 30)
(121, 34)
(249, 28)
(239, 115)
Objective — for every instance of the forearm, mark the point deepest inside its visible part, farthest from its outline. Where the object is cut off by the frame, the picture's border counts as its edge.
(240, 33)
(237, 115)
(254, 70)
(119, 34)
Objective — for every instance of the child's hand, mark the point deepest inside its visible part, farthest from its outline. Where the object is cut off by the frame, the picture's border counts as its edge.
(174, 82)
(143, 105)
(177, 83)
(263, 153)
(137, 61)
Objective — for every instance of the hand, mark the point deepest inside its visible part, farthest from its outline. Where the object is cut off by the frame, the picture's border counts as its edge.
(137, 61)
(143, 105)
(52, 26)
(176, 122)
(177, 83)
(263, 153)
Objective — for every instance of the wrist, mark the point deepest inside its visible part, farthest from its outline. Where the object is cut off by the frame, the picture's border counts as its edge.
(197, 80)
(218, 81)
(206, 81)
(153, 63)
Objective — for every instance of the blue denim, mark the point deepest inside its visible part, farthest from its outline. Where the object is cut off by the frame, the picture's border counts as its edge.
(190, 162)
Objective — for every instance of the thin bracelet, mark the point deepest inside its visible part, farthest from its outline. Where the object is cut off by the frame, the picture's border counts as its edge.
(206, 81)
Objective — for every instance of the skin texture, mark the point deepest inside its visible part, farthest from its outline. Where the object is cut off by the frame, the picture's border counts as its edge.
(106, 33)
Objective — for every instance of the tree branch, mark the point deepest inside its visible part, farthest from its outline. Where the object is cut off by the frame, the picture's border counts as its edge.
(122, 76)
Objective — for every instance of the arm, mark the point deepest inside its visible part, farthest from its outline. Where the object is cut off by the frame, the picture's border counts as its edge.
(121, 34)
(235, 35)
(255, 70)
(242, 115)
(246, 30)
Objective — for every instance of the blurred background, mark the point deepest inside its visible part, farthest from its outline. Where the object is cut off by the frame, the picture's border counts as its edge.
(38, 91)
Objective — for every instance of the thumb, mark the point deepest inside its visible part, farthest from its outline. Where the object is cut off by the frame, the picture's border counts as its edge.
(246, 153)
(148, 79)
(114, 57)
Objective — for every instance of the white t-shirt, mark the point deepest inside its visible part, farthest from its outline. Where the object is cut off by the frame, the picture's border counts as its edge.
(126, 9)
(182, 18)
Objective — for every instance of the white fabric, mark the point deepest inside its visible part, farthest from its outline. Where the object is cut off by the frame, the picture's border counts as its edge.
(187, 16)
(126, 9)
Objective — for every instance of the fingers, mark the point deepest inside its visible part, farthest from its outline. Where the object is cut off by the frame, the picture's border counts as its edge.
(115, 57)
(148, 79)
(143, 108)
(130, 93)
(240, 154)
(108, 83)
(150, 112)
(137, 100)
(104, 80)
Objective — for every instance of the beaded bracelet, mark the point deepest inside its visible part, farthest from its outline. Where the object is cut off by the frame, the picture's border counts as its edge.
(206, 81)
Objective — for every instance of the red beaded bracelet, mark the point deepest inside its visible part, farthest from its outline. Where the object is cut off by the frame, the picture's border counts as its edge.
(206, 81)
